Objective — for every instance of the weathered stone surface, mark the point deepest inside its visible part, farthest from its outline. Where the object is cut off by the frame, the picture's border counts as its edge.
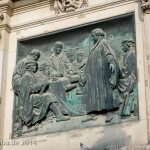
(145, 6)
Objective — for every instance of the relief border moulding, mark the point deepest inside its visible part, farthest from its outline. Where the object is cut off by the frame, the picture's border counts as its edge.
(146, 6)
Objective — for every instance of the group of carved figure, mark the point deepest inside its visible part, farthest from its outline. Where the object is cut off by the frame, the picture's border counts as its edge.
(109, 84)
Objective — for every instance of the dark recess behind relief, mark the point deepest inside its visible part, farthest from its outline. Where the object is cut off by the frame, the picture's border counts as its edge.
(72, 37)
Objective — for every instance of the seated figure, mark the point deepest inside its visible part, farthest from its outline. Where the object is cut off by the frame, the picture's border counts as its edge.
(60, 66)
(34, 100)
(59, 61)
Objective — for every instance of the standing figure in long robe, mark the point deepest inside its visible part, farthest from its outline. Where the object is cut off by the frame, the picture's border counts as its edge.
(101, 76)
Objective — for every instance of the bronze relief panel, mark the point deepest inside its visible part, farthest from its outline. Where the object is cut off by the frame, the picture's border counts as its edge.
(78, 78)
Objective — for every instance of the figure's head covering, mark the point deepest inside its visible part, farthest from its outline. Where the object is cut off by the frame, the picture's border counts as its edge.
(59, 43)
(128, 40)
(99, 32)
(35, 52)
(31, 63)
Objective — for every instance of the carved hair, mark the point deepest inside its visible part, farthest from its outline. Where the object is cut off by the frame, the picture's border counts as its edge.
(59, 43)
(35, 52)
(128, 40)
(99, 32)
(30, 63)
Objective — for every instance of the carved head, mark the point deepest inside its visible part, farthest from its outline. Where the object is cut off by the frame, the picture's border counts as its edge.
(127, 44)
(35, 54)
(97, 34)
(69, 3)
(45, 68)
(58, 47)
(32, 66)
(79, 56)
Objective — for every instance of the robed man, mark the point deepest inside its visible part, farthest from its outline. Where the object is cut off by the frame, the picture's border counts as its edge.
(101, 76)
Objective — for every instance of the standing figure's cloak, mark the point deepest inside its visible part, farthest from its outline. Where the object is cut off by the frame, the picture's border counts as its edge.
(101, 79)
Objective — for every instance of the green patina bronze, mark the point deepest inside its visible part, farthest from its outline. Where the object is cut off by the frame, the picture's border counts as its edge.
(70, 79)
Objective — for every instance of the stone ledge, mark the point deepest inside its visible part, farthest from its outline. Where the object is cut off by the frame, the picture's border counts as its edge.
(62, 16)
